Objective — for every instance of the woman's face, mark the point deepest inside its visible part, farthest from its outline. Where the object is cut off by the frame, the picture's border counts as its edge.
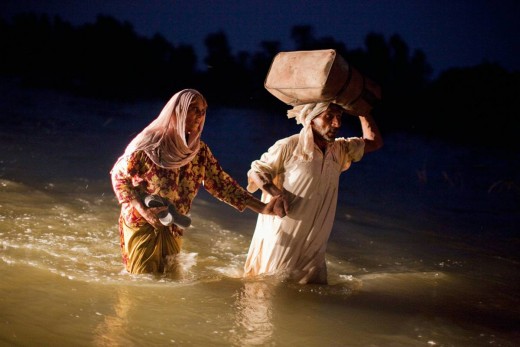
(196, 114)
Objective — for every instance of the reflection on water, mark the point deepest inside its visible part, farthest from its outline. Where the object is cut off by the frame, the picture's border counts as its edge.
(113, 329)
(71, 233)
(253, 317)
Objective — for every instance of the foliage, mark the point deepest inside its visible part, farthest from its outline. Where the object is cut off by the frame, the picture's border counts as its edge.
(108, 59)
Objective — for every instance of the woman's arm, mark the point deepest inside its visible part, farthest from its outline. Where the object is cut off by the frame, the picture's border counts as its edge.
(280, 201)
(148, 213)
(259, 207)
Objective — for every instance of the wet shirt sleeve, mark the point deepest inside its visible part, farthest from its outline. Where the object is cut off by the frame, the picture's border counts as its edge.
(271, 165)
(352, 150)
(221, 185)
(126, 177)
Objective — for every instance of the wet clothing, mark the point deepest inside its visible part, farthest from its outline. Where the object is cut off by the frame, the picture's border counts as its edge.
(143, 248)
(294, 246)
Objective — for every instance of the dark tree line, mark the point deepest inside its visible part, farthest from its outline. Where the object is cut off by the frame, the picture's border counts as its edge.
(108, 59)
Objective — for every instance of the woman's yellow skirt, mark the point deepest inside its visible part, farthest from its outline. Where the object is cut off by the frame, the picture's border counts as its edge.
(148, 248)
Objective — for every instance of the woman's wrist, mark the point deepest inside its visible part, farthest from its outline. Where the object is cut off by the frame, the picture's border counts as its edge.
(255, 205)
(272, 189)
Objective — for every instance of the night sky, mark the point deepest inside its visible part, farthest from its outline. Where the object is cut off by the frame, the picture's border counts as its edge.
(452, 33)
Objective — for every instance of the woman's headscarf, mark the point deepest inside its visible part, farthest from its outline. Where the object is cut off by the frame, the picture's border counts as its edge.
(164, 139)
(304, 114)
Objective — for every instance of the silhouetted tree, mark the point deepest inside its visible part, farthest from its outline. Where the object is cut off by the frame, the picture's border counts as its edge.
(108, 59)
(476, 105)
(222, 74)
(303, 37)
(258, 70)
(27, 49)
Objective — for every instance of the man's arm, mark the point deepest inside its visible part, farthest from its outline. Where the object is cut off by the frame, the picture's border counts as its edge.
(371, 134)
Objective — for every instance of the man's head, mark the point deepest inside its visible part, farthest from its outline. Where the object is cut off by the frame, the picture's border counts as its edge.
(325, 126)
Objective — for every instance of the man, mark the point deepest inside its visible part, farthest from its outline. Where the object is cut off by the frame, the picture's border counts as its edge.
(302, 171)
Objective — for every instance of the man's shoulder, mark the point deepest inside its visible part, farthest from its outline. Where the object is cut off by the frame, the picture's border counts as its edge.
(343, 140)
(289, 140)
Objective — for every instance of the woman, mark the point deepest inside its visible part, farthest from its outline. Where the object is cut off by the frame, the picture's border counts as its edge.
(168, 159)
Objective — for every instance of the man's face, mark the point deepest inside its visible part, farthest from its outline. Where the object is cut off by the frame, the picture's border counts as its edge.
(327, 124)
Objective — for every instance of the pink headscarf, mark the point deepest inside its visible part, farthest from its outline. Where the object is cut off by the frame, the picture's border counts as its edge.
(164, 139)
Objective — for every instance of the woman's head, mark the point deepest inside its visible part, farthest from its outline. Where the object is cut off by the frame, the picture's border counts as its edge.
(185, 112)
(173, 138)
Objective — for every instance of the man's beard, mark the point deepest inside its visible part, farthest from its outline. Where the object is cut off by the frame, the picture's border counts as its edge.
(328, 138)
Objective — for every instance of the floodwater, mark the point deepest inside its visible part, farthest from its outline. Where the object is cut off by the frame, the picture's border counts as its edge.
(423, 251)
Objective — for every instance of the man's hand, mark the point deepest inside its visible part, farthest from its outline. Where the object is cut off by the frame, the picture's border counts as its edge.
(281, 204)
(272, 209)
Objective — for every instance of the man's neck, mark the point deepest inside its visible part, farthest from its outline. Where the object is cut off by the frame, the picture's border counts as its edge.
(321, 143)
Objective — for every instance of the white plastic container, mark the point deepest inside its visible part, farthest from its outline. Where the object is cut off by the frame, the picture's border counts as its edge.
(301, 77)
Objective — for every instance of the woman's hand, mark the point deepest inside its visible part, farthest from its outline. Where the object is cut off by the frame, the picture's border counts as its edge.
(150, 214)
(269, 208)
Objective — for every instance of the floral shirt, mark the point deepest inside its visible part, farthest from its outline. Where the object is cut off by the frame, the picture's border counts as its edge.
(136, 175)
